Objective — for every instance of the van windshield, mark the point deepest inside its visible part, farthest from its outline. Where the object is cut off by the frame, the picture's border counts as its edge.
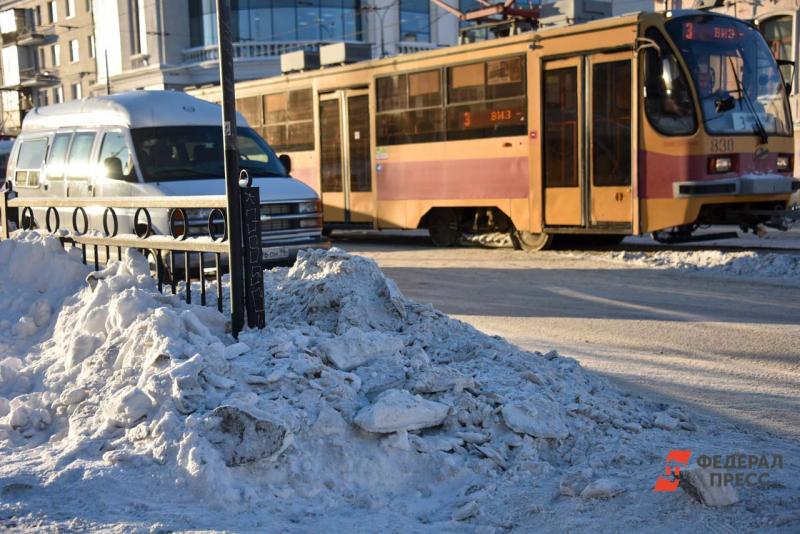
(195, 152)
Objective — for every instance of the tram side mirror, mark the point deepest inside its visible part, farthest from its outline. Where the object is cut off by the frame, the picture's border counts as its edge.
(113, 167)
(724, 102)
(787, 71)
(286, 161)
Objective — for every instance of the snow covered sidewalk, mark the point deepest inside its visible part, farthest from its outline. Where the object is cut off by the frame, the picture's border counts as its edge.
(356, 409)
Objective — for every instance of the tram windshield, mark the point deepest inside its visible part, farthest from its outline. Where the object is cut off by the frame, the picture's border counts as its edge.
(738, 82)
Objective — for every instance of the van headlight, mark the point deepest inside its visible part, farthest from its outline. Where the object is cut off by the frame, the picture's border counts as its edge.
(309, 207)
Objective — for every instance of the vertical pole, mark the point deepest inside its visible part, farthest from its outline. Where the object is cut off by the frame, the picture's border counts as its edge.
(226, 79)
(108, 79)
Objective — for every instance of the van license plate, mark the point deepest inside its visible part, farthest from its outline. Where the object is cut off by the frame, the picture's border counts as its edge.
(276, 253)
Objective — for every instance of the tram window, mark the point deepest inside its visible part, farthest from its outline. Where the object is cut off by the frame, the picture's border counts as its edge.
(667, 99)
(561, 127)
(478, 102)
(486, 119)
(392, 93)
(275, 136)
(466, 83)
(289, 120)
(611, 123)
(504, 78)
(250, 108)
(298, 135)
(300, 107)
(425, 89)
(410, 113)
(778, 33)
(275, 107)
(392, 129)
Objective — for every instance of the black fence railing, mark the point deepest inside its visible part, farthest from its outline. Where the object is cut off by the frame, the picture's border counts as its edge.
(193, 251)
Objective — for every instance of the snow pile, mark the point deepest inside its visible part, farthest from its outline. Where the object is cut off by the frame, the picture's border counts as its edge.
(749, 264)
(354, 394)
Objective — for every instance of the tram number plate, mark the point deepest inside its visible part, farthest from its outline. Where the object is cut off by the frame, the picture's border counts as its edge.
(722, 146)
(276, 253)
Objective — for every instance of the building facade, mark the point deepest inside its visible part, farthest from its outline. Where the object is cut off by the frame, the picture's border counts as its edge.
(159, 44)
(48, 55)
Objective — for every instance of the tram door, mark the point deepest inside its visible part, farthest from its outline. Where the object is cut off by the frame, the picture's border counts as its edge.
(345, 157)
(587, 142)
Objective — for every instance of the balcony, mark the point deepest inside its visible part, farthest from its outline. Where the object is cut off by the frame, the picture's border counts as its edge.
(250, 50)
(411, 47)
(30, 39)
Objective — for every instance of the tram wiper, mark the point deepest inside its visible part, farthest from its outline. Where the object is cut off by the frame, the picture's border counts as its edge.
(762, 132)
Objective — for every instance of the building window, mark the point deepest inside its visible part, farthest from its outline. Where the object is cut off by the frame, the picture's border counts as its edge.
(415, 20)
(55, 55)
(42, 56)
(91, 46)
(37, 16)
(138, 29)
(58, 95)
(88, 6)
(77, 91)
(52, 11)
(74, 53)
(42, 101)
(70, 9)
(278, 20)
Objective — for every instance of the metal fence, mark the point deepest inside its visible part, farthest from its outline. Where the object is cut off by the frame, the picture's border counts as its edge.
(181, 255)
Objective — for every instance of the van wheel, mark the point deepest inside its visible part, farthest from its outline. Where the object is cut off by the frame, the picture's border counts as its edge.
(531, 242)
(443, 227)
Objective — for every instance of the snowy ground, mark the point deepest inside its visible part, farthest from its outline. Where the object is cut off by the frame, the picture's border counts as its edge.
(358, 409)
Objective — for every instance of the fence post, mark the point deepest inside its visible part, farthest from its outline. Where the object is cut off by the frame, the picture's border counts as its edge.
(253, 270)
(226, 79)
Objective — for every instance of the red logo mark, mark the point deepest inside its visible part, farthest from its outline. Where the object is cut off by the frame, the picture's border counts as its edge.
(671, 478)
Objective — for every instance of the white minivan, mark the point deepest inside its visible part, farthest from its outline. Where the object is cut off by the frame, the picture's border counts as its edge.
(154, 143)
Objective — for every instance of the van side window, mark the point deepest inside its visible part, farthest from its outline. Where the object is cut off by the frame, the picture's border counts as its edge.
(114, 146)
(79, 153)
(29, 162)
(58, 156)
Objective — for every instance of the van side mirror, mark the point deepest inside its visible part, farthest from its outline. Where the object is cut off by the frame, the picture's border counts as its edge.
(113, 166)
(286, 161)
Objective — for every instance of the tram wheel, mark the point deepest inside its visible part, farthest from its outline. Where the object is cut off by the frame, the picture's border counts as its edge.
(443, 227)
(531, 242)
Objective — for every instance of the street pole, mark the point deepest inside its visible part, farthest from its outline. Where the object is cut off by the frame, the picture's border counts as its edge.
(226, 79)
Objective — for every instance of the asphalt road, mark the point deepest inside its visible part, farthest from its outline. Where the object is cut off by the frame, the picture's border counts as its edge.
(726, 347)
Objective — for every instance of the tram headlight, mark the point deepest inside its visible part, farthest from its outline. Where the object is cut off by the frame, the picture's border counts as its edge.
(784, 162)
(720, 164)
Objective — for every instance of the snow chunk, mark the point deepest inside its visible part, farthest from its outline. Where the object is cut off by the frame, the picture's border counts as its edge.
(603, 488)
(538, 417)
(242, 437)
(696, 481)
(357, 347)
(128, 406)
(397, 410)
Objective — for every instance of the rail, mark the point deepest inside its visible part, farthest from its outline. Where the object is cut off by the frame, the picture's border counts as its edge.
(177, 256)
(249, 49)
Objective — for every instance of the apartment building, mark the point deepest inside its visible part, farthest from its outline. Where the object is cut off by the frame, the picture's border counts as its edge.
(48, 55)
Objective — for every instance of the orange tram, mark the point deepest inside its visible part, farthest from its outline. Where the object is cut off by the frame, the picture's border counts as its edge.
(645, 123)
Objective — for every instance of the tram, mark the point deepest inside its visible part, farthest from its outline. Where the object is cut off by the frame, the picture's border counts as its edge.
(644, 123)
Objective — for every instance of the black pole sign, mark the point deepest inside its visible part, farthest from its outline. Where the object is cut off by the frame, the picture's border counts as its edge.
(226, 79)
(253, 274)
